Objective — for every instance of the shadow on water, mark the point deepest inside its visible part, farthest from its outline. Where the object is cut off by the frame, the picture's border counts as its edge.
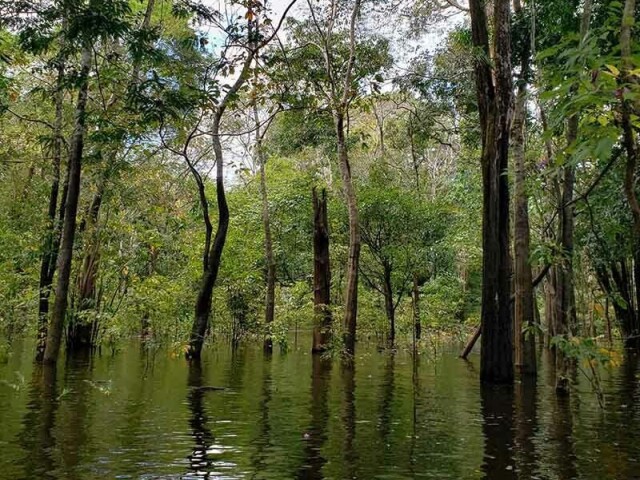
(316, 434)
(37, 438)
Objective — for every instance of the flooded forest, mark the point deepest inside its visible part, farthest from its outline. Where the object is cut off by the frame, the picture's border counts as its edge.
(319, 239)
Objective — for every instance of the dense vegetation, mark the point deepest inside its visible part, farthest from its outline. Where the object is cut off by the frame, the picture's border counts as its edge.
(165, 165)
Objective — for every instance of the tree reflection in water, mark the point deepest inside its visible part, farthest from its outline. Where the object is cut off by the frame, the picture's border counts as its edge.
(203, 438)
(497, 427)
(316, 435)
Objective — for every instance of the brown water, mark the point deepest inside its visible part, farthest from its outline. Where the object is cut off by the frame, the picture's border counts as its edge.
(135, 415)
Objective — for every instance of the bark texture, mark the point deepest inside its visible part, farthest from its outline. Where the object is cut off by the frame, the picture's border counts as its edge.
(54, 222)
(524, 339)
(494, 94)
(321, 274)
(56, 326)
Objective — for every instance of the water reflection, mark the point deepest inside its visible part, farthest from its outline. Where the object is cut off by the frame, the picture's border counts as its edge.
(497, 427)
(316, 435)
(348, 380)
(37, 439)
(298, 416)
(199, 461)
(561, 434)
(526, 421)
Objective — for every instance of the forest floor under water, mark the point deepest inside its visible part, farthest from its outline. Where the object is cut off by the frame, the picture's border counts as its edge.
(151, 415)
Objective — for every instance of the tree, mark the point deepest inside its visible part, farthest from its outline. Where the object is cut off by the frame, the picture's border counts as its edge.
(494, 94)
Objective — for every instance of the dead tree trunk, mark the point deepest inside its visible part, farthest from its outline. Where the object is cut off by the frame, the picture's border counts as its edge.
(321, 274)
(494, 93)
(56, 326)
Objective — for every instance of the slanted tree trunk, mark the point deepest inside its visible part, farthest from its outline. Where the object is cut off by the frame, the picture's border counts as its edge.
(351, 290)
(56, 326)
(270, 299)
(494, 93)
(213, 253)
(524, 340)
(321, 274)
(54, 222)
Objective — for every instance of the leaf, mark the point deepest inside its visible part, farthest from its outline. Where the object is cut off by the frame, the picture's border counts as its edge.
(613, 70)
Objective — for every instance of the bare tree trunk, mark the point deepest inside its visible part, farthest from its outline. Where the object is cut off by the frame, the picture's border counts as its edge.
(351, 291)
(54, 223)
(270, 300)
(54, 334)
(321, 274)
(494, 101)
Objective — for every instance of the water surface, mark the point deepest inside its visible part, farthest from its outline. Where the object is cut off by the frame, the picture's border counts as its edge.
(146, 416)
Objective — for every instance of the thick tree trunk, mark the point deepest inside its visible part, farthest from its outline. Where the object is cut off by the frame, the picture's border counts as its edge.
(351, 291)
(494, 101)
(270, 300)
(214, 255)
(321, 274)
(56, 326)
(54, 223)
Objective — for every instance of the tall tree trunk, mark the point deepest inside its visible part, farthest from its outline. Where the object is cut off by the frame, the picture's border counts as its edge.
(56, 326)
(351, 291)
(52, 234)
(213, 255)
(524, 340)
(632, 339)
(565, 288)
(270, 300)
(321, 274)
(494, 102)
